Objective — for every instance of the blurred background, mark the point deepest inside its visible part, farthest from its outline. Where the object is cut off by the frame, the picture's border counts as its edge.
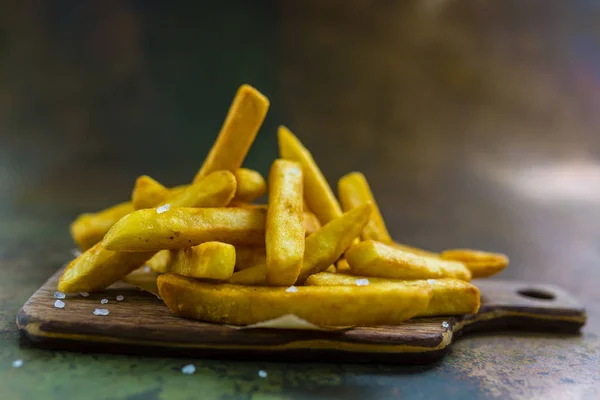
(476, 122)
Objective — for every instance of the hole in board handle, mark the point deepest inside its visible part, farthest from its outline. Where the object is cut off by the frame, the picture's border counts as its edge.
(537, 294)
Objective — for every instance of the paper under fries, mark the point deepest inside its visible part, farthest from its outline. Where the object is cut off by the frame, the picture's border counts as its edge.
(336, 306)
(481, 263)
(148, 193)
(284, 225)
(246, 115)
(211, 260)
(88, 229)
(449, 296)
(354, 190)
(371, 258)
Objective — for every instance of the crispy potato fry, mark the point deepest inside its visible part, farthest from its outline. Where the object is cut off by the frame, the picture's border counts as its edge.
(148, 193)
(251, 276)
(354, 190)
(371, 258)
(342, 266)
(481, 263)
(88, 229)
(333, 306)
(143, 279)
(97, 268)
(414, 250)
(331, 269)
(160, 262)
(284, 238)
(249, 256)
(241, 125)
(449, 297)
(250, 185)
(311, 223)
(210, 260)
(317, 192)
(147, 230)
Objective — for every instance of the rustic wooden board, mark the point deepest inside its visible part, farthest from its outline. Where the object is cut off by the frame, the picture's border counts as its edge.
(142, 324)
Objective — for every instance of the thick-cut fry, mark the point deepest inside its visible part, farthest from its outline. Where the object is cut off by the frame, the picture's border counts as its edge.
(210, 260)
(311, 223)
(481, 263)
(317, 192)
(241, 125)
(255, 275)
(354, 190)
(88, 229)
(331, 269)
(249, 256)
(342, 266)
(371, 258)
(147, 193)
(159, 263)
(250, 185)
(414, 250)
(176, 228)
(450, 296)
(333, 306)
(143, 279)
(284, 239)
(97, 268)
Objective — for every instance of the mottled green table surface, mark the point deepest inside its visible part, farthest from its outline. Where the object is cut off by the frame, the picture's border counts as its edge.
(476, 123)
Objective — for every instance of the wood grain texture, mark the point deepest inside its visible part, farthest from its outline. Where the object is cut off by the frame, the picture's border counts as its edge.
(141, 323)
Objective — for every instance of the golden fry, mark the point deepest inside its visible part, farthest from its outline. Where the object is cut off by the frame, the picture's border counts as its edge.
(331, 269)
(176, 228)
(449, 296)
(250, 185)
(333, 306)
(210, 260)
(371, 258)
(414, 250)
(143, 279)
(481, 263)
(96, 268)
(342, 266)
(249, 256)
(88, 229)
(317, 192)
(311, 223)
(160, 262)
(241, 125)
(354, 190)
(252, 276)
(148, 193)
(284, 239)
(214, 190)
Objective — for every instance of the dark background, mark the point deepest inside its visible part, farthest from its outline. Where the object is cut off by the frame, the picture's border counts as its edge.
(476, 123)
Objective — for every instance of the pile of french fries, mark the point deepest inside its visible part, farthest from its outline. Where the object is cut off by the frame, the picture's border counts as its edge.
(221, 258)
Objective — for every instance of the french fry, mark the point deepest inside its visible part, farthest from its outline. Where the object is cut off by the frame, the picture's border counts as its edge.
(241, 125)
(333, 306)
(250, 185)
(143, 279)
(88, 229)
(342, 266)
(414, 250)
(371, 258)
(317, 192)
(249, 256)
(284, 239)
(147, 230)
(449, 296)
(160, 262)
(354, 190)
(311, 223)
(147, 193)
(331, 269)
(210, 260)
(321, 249)
(482, 264)
(98, 267)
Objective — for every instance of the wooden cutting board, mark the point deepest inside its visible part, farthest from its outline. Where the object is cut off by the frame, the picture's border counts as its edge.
(142, 324)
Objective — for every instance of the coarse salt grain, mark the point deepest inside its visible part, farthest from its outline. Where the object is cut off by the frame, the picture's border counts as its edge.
(262, 373)
(17, 363)
(59, 295)
(103, 301)
(431, 281)
(84, 294)
(147, 269)
(188, 369)
(101, 311)
(292, 289)
(120, 297)
(163, 209)
(445, 325)
(59, 304)
(362, 282)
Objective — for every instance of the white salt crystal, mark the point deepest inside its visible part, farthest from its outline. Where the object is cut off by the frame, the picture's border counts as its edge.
(147, 269)
(103, 301)
(445, 325)
(292, 289)
(17, 363)
(431, 281)
(59, 304)
(84, 294)
(100, 311)
(362, 282)
(59, 295)
(120, 297)
(188, 369)
(163, 209)
(262, 373)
